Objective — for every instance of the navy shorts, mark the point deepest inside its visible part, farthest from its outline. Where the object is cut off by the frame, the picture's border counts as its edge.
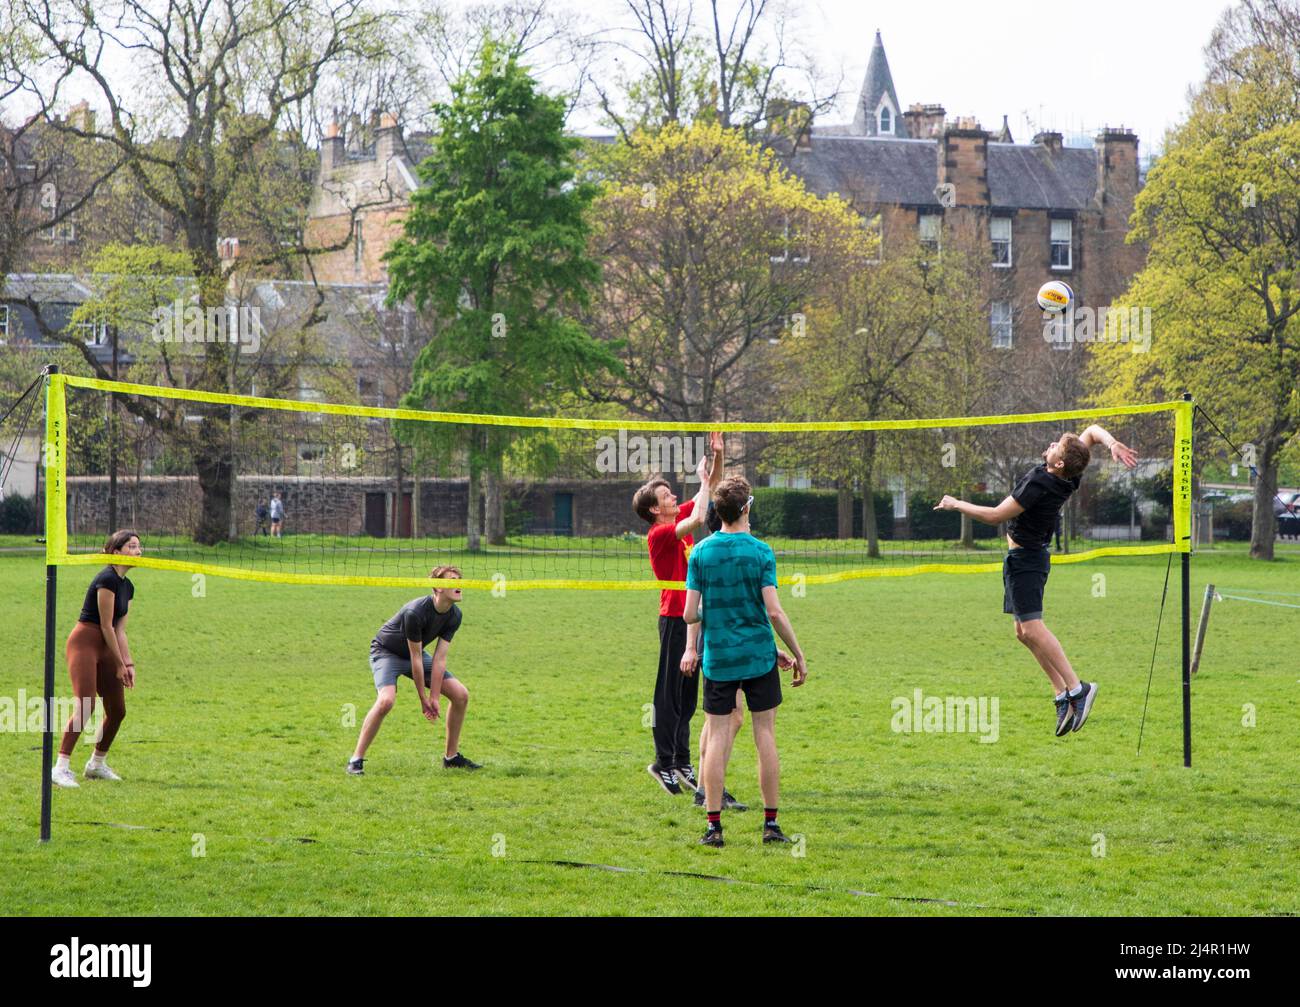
(1024, 577)
(389, 667)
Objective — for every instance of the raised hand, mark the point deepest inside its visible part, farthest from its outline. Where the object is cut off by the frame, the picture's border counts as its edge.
(1123, 453)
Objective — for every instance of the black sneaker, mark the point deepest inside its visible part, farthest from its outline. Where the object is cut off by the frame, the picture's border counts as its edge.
(686, 777)
(713, 837)
(729, 803)
(773, 834)
(356, 767)
(459, 761)
(1082, 703)
(699, 798)
(666, 778)
(1064, 717)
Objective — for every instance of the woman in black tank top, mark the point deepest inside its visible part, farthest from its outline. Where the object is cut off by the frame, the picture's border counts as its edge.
(99, 661)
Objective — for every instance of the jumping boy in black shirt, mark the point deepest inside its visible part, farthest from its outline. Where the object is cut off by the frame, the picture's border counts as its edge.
(1031, 512)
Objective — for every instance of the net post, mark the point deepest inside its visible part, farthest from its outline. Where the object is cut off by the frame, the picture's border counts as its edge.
(1187, 630)
(51, 605)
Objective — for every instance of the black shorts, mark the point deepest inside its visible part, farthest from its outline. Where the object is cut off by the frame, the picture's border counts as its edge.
(761, 693)
(1024, 576)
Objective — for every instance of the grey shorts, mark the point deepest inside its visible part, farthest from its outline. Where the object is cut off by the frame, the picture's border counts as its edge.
(387, 667)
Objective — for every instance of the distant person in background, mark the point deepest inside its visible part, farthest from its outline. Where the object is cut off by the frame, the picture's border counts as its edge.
(277, 516)
(263, 518)
(1058, 532)
(99, 661)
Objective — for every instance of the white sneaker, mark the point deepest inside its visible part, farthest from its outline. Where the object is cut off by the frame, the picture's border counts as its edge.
(100, 772)
(63, 778)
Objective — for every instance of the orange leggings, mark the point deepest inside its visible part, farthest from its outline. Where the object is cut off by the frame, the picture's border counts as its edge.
(90, 665)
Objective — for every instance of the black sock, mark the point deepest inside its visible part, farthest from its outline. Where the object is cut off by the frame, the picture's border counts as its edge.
(769, 816)
(715, 820)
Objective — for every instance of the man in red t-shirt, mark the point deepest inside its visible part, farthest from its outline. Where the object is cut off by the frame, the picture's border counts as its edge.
(676, 695)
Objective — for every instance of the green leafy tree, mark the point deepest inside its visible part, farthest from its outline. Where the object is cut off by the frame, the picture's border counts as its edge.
(1221, 211)
(496, 246)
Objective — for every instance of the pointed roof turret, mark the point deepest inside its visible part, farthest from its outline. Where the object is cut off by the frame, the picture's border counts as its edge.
(1004, 134)
(878, 111)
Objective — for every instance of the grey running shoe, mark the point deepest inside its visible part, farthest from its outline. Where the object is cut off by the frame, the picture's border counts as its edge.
(1064, 717)
(729, 802)
(1082, 703)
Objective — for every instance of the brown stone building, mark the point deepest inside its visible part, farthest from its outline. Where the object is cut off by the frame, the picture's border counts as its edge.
(364, 184)
(1047, 211)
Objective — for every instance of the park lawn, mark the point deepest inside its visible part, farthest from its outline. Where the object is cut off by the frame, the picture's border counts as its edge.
(242, 720)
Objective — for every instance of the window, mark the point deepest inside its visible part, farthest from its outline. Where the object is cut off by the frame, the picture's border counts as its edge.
(1000, 233)
(65, 230)
(785, 254)
(898, 491)
(368, 392)
(1000, 324)
(394, 325)
(928, 230)
(92, 333)
(4, 324)
(791, 479)
(311, 459)
(875, 226)
(308, 393)
(886, 123)
(358, 244)
(1062, 231)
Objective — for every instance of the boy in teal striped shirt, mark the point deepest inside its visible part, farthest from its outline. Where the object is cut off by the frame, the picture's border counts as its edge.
(735, 574)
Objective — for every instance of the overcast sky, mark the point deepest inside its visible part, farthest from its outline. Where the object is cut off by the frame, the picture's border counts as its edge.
(1068, 66)
(1072, 66)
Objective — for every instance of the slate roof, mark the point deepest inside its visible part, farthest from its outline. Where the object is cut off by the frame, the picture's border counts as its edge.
(349, 309)
(867, 169)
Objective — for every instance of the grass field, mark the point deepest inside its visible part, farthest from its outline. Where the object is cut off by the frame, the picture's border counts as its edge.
(238, 731)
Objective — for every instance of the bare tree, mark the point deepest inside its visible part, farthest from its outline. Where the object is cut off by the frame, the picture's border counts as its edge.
(730, 66)
(195, 91)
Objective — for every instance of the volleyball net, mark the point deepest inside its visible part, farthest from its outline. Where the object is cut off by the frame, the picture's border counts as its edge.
(289, 491)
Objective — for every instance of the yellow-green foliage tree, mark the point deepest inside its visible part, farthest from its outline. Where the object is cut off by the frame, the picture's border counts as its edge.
(1221, 211)
(710, 248)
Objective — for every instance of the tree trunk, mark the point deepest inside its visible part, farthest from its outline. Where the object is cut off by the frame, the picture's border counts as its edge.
(216, 472)
(844, 509)
(396, 530)
(967, 532)
(496, 520)
(869, 530)
(1263, 523)
(474, 522)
